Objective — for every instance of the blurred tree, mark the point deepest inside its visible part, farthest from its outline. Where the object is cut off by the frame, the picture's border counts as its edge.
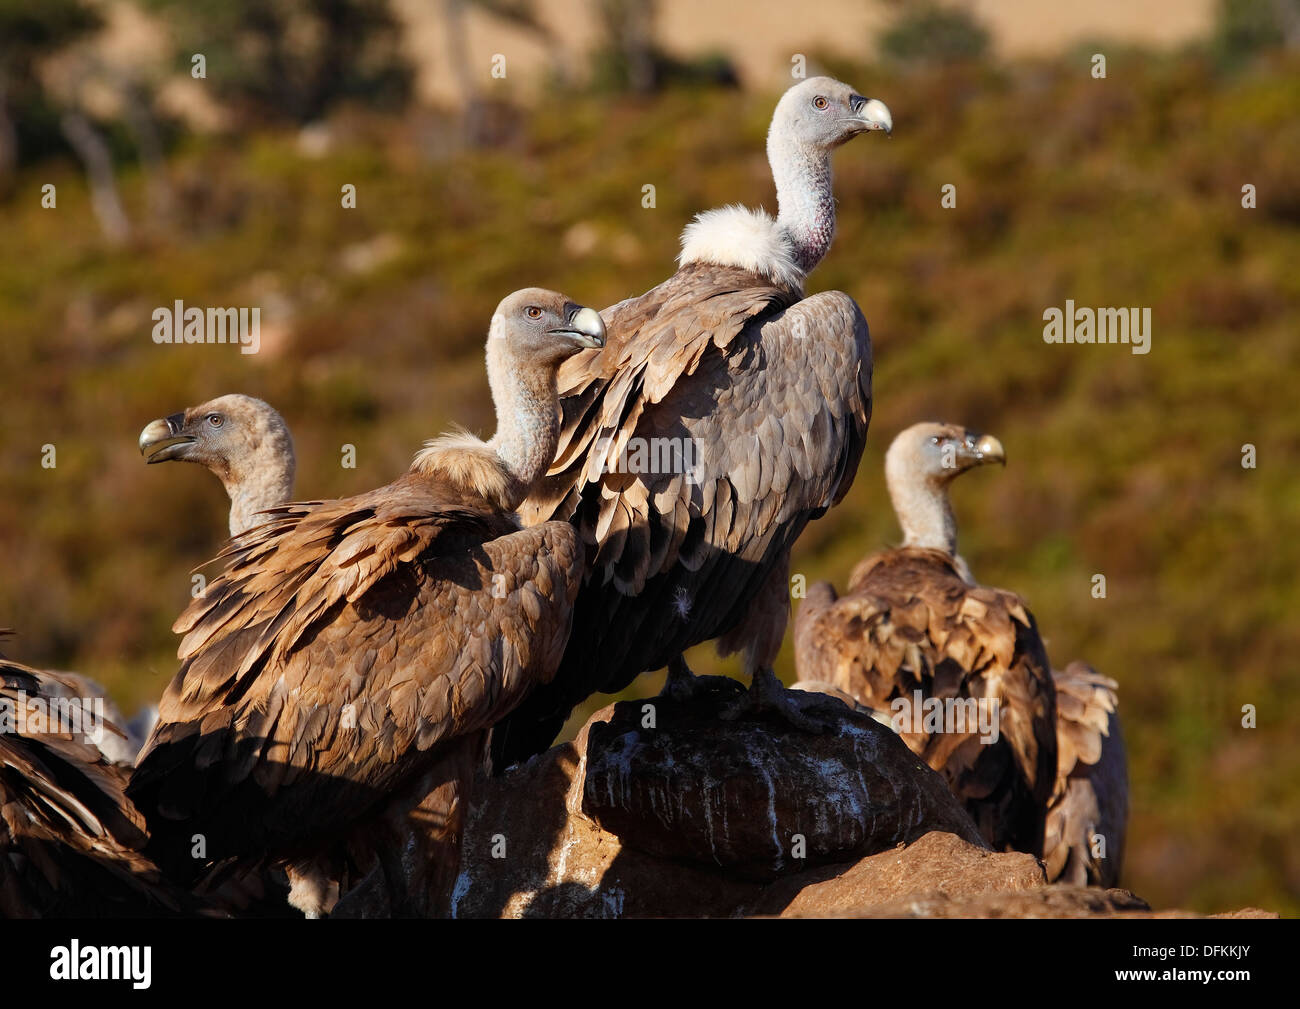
(30, 113)
(292, 60)
(1245, 28)
(929, 33)
(475, 122)
(629, 35)
(28, 32)
(629, 59)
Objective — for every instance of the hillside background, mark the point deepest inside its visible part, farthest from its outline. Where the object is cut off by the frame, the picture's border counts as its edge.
(1123, 191)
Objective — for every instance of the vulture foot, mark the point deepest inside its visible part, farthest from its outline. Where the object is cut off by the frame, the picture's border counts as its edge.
(766, 696)
(684, 686)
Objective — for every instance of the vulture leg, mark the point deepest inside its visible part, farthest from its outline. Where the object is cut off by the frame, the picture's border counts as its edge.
(766, 696)
(683, 685)
(680, 685)
(421, 870)
(313, 888)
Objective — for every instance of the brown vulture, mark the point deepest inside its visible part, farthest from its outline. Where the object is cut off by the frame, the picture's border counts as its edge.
(725, 412)
(243, 441)
(959, 667)
(71, 844)
(339, 678)
(1090, 804)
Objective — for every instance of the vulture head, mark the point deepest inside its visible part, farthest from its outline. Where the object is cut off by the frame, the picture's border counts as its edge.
(539, 329)
(920, 464)
(934, 454)
(533, 332)
(243, 440)
(821, 113)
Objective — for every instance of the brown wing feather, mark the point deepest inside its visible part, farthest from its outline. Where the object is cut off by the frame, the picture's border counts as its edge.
(70, 841)
(345, 644)
(1091, 796)
(911, 623)
(770, 395)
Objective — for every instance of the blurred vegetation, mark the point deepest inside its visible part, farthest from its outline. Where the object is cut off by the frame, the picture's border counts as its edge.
(927, 33)
(1246, 28)
(28, 33)
(1115, 192)
(293, 60)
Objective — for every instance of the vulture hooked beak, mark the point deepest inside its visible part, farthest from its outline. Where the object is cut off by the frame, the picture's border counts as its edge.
(162, 439)
(990, 450)
(585, 326)
(873, 113)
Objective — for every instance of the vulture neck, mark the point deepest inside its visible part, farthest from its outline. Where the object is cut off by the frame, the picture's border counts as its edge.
(804, 197)
(264, 482)
(528, 423)
(924, 511)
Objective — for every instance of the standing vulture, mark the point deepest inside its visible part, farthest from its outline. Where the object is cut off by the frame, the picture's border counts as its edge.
(915, 626)
(71, 844)
(725, 412)
(243, 441)
(339, 678)
(247, 445)
(1091, 798)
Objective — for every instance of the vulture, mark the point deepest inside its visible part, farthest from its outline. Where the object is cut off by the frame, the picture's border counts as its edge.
(247, 445)
(339, 678)
(959, 667)
(71, 843)
(243, 441)
(725, 412)
(1091, 797)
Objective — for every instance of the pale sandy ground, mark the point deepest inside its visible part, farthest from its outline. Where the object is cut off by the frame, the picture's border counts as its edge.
(760, 36)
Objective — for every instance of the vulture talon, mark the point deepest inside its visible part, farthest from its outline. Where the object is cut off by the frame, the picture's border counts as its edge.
(684, 686)
(767, 697)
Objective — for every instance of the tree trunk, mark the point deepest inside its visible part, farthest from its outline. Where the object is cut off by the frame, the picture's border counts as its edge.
(98, 162)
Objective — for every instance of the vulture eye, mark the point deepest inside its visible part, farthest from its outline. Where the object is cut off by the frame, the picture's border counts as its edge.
(820, 103)
(937, 439)
(216, 420)
(533, 312)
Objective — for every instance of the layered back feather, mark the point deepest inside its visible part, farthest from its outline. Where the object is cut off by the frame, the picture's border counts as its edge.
(910, 622)
(71, 844)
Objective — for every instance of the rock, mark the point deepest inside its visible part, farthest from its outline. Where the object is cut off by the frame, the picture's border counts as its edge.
(938, 863)
(1060, 900)
(557, 863)
(1057, 901)
(737, 796)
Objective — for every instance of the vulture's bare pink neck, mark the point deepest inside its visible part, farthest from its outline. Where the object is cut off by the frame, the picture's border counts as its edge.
(922, 505)
(805, 198)
(528, 423)
(265, 481)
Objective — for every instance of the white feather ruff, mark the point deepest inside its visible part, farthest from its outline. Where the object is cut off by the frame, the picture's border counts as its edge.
(738, 236)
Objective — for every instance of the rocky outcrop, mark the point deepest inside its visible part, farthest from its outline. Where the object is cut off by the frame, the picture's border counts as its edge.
(756, 798)
(672, 811)
(587, 829)
(937, 863)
